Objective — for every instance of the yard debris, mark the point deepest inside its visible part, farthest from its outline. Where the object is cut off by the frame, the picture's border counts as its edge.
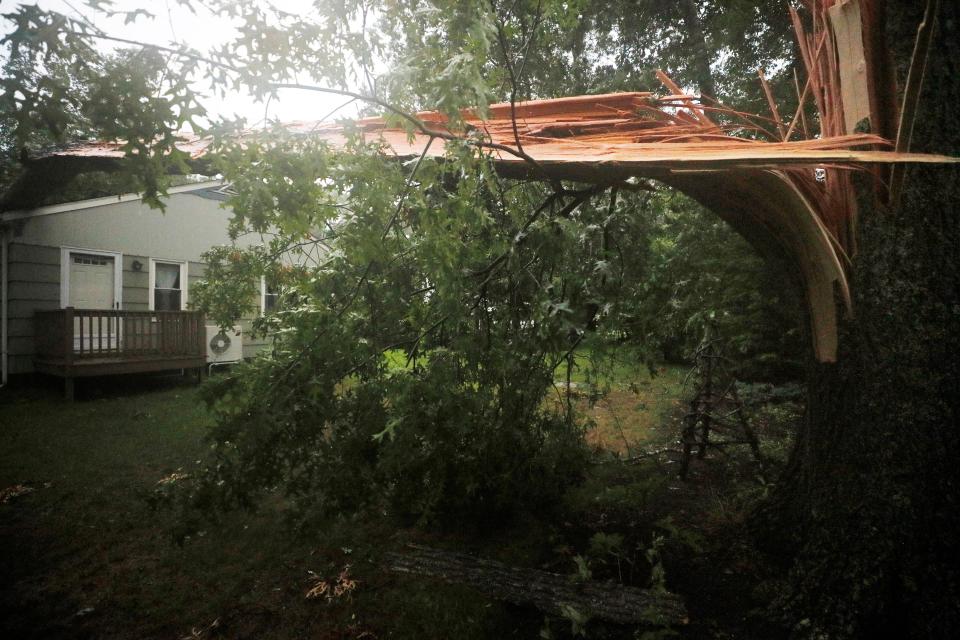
(14, 491)
(205, 632)
(174, 477)
(342, 585)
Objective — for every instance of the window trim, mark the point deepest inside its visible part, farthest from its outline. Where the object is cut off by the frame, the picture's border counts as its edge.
(263, 296)
(67, 251)
(184, 281)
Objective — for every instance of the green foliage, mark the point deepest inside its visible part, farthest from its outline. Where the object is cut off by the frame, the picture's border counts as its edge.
(699, 273)
(460, 431)
(486, 287)
(58, 87)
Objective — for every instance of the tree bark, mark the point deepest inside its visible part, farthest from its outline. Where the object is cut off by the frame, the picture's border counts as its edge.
(548, 592)
(871, 495)
(698, 45)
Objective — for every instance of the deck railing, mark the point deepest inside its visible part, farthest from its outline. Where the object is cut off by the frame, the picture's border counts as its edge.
(81, 334)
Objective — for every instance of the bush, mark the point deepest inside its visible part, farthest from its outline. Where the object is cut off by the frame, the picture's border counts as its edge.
(424, 445)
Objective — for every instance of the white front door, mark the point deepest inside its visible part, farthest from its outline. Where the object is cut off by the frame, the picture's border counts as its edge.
(93, 286)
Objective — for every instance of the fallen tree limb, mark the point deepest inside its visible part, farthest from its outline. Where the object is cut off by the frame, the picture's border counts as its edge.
(649, 454)
(549, 592)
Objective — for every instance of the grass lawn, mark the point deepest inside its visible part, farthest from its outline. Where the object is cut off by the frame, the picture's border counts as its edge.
(637, 413)
(83, 555)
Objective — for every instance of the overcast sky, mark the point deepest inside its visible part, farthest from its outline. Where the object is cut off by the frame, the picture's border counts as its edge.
(172, 23)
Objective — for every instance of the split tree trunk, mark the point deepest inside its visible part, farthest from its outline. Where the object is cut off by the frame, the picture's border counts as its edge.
(871, 498)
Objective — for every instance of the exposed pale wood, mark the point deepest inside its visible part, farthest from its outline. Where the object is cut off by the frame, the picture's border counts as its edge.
(846, 23)
(773, 105)
(800, 115)
(548, 592)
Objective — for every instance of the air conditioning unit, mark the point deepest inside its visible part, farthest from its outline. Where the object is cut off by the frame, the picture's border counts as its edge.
(224, 346)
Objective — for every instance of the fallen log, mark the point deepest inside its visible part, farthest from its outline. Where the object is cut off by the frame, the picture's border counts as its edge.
(549, 592)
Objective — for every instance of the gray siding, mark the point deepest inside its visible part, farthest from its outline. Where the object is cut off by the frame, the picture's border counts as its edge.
(34, 254)
(36, 272)
(252, 345)
(34, 285)
(196, 271)
(136, 284)
(189, 226)
(23, 309)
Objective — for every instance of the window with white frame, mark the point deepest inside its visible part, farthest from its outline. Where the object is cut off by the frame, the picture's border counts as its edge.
(168, 285)
(269, 294)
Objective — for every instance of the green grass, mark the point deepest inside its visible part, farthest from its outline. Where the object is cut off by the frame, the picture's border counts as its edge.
(84, 555)
(86, 540)
(629, 405)
(638, 414)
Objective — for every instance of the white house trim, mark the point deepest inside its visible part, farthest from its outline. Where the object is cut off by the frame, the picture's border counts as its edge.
(184, 280)
(65, 253)
(100, 202)
(263, 295)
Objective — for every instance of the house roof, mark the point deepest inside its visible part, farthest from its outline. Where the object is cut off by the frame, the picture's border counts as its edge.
(210, 189)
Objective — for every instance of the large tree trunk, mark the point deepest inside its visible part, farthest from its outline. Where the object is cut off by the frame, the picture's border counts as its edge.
(697, 41)
(871, 498)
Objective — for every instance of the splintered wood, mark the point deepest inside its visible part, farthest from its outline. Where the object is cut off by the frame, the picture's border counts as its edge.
(846, 23)
(785, 186)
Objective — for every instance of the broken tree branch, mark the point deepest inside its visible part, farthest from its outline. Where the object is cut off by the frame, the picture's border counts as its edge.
(550, 592)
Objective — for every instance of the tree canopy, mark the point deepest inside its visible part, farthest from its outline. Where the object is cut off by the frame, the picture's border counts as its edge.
(430, 310)
(426, 307)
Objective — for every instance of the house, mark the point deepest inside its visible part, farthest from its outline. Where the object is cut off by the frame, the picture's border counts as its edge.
(103, 286)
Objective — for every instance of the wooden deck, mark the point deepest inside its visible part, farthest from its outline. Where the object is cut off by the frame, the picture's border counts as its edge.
(74, 343)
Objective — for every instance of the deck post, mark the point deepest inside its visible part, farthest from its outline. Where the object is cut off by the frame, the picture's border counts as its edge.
(68, 335)
(68, 353)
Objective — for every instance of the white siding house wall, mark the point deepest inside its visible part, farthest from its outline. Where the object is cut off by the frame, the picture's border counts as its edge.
(189, 226)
